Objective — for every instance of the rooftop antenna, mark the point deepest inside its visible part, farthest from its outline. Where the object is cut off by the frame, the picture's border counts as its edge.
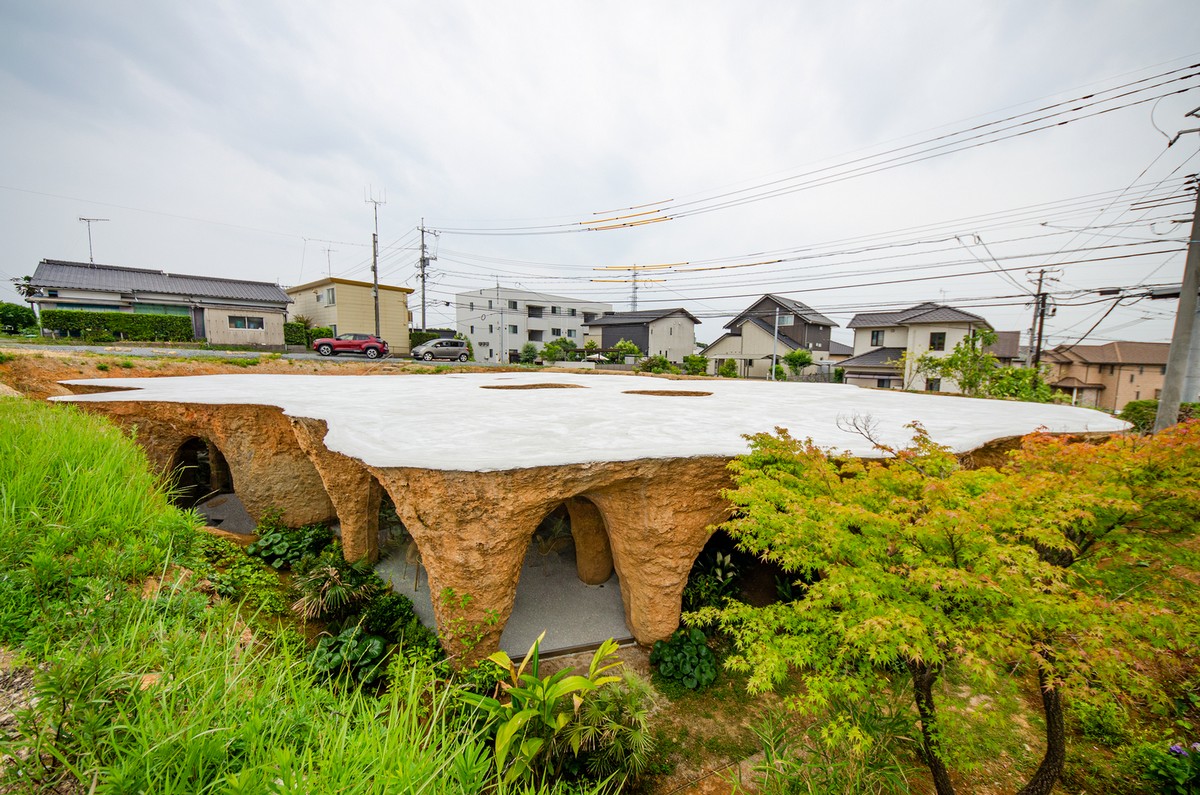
(328, 265)
(89, 222)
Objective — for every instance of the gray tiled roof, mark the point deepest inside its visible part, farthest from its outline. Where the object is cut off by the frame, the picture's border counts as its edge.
(880, 357)
(800, 310)
(840, 348)
(641, 316)
(921, 313)
(56, 274)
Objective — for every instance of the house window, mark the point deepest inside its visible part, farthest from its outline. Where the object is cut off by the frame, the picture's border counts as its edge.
(937, 341)
(1162, 371)
(1141, 370)
(489, 303)
(52, 293)
(330, 296)
(933, 385)
(877, 337)
(1157, 394)
(243, 321)
(571, 333)
(491, 329)
(512, 304)
(1137, 395)
(588, 317)
(571, 312)
(554, 310)
(883, 383)
(787, 320)
(556, 332)
(512, 329)
(472, 305)
(472, 329)
(1131, 378)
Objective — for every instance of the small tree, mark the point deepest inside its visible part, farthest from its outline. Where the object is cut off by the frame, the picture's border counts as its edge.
(625, 348)
(656, 364)
(529, 353)
(728, 369)
(968, 365)
(695, 364)
(797, 360)
(1018, 383)
(14, 317)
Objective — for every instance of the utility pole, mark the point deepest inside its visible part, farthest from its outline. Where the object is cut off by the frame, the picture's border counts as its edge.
(774, 343)
(500, 304)
(89, 222)
(328, 263)
(1181, 340)
(375, 260)
(422, 265)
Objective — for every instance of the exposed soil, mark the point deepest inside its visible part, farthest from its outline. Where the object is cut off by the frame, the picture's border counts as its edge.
(666, 392)
(534, 386)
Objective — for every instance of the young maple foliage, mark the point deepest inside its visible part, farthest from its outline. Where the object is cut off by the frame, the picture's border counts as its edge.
(918, 565)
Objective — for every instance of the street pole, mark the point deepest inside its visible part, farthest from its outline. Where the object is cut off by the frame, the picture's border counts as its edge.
(422, 266)
(1181, 340)
(503, 351)
(375, 261)
(1034, 355)
(774, 343)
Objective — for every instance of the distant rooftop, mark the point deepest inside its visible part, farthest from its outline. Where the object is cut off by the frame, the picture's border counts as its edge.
(921, 313)
(57, 274)
(641, 316)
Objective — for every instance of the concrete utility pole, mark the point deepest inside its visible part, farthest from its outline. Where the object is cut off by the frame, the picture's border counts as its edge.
(774, 343)
(500, 305)
(89, 222)
(1183, 357)
(375, 261)
(421, 266)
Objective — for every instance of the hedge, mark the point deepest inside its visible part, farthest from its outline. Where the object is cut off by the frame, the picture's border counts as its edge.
(127, 325)
(1142, 413)
(318, 332)
(294, 334)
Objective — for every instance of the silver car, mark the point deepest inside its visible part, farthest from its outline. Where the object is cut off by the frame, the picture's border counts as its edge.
(442, 349)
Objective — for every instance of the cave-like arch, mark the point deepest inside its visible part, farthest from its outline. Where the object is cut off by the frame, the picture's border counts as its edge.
(200, 472)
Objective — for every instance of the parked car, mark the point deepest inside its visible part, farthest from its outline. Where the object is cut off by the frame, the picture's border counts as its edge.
(441, 349)
(368, 344)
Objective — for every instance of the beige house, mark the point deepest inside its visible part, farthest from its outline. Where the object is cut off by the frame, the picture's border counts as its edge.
(1110, 375)
(349, 306)
(887, 345)
(222, 311)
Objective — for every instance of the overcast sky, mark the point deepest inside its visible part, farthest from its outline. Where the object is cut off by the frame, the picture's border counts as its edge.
(240, 140)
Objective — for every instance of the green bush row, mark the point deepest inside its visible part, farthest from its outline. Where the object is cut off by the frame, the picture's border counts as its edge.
(127, 325)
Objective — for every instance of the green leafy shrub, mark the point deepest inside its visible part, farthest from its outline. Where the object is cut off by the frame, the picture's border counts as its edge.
(1103, 720)
(529, 353)
(625, 348)
(237, 577)
(728, 369)
(98, 336)
(695, 364)
(15, 316)
(318, 332)
(797, 360)
(126, 325)
(612, 728)
(351, 654)
(331, 588)
(1141, 413)
(102, 367)
(391, 616)
(1175, 769)
(656, 364)
(710, 582)
(279, 545)
(780, 373)
(294, 333)
(685, 660)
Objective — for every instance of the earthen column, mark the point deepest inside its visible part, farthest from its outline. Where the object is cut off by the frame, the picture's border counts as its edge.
(593, 555)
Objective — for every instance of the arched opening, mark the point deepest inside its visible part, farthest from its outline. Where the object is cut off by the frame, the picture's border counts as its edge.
(721, 570)
(204, 482)
(400, 561)
(568, 587)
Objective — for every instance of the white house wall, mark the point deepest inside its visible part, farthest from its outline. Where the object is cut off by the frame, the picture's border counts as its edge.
(218, 332)
(673, 337)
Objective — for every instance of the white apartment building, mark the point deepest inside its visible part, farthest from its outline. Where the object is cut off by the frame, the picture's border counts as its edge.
(500, 320)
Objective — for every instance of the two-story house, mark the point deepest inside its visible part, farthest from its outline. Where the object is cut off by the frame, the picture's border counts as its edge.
(1110, 375)
(772, 326)
(887, 345)
(656, 332)
(349, 306)
(222, 311)
(500, 320)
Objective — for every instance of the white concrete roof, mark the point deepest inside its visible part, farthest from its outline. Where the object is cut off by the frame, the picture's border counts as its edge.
(454, 422)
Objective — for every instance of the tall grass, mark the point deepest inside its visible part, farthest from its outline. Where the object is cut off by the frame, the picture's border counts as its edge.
(171, 694)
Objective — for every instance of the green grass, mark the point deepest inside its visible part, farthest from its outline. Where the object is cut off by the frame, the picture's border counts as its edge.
(172, 693)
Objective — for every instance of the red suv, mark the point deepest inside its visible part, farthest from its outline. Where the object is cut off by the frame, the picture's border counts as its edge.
(367, 344)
